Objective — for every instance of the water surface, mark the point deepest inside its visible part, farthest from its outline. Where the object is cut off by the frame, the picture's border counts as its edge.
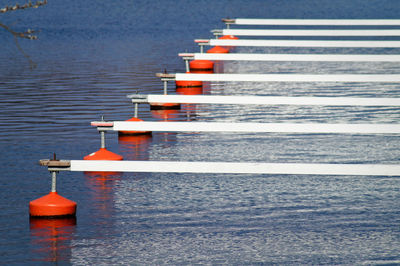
(89, 56)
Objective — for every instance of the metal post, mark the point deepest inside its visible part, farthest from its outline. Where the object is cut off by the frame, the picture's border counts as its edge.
(135, 114)
(201, 48)
(165, 86)
(102, 136)
(103, 139)
(53, 181)
(187, 65)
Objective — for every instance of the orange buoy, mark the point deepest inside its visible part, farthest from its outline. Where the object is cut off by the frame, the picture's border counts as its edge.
(188, 84)
(129, 133)
(103, 154)
(52, 205)
(201, 66)
(165, 106)
(218, 50)
(228, 37)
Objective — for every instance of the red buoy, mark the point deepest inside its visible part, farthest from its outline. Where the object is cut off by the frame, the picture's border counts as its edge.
(201, 66)
(130, 133)
(218, 50)
(165, 106)
(188, 84)
(228, 37)
(52, 205)
(103, 154)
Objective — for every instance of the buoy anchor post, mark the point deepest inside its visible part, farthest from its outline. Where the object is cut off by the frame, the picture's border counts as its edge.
(165, 82)
(135, 109)
(201, 43)
(186, 57)
(165, 77)
(217, 33)
(102, 128)
(102, 139)
(103, 153)
(53, 181)
(186, 64)
(228, 22)
(52, 204)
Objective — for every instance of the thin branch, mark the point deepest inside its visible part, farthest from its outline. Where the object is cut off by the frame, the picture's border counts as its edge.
(27, 56)
(25, 6)
(28, 34)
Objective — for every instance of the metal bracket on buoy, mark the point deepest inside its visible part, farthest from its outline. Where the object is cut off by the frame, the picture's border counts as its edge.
(136, 99)
(217, 33)
(228, 22)
(202, 43)
(54, 166)
(186, 57)
(102, 127)
(165, 77)
(53, 205)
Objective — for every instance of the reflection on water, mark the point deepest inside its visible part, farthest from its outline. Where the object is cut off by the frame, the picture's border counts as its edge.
(135, 147)
(51, 238)
(101, 186)
(166, 115)
(90, 56)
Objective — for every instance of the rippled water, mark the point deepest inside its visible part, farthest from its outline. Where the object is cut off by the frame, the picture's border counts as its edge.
(91, 55)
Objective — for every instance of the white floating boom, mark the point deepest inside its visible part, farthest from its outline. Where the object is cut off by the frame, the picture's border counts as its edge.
(323, 128)
(295, 57)
(314, 32)
(290, 77)
(236, 168)
(265, 100)
(314, 22)
(222, 167)
(300, 43)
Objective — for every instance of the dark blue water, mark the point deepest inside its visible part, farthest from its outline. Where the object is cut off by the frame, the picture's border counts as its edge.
(91, 54)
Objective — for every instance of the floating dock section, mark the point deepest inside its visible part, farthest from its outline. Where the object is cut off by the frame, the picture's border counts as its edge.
(380, 35)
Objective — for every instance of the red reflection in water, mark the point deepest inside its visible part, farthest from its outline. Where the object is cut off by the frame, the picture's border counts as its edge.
(189, 91)
(219, 66)
(102, 184)
(51, 237)
(135, 147)
(166, 115)
(101, 190)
